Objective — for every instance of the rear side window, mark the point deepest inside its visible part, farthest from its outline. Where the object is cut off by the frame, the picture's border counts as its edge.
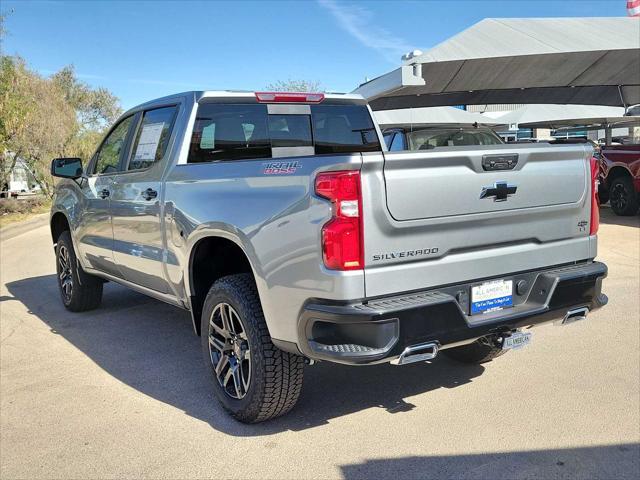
(152, 138)
(224, 132)
(343, 129)
(229, 132)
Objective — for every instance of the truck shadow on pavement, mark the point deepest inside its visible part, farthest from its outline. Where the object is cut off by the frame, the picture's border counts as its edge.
(607, 217)
(602, 461)
(151, 347)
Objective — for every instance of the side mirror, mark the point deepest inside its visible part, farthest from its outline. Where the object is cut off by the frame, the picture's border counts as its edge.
(66, 167)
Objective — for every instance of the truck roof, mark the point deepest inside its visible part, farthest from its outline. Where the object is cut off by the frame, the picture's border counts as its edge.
(198, 95)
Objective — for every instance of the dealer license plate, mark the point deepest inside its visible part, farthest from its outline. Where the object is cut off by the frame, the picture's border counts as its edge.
(491, 296)
(516, 340)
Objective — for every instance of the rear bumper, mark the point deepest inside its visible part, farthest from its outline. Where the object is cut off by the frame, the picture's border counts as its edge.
(378, 330)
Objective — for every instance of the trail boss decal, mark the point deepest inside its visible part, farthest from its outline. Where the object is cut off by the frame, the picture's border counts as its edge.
(421, 252)
(281, 168)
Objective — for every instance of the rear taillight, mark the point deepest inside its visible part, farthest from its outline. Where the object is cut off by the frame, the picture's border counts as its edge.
(595, 201)
(342, 238)
(289, 97)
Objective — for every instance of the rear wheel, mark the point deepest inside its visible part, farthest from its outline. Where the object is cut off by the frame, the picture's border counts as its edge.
(253, 380)
(622, 197)
(481, 351)
(79, 290)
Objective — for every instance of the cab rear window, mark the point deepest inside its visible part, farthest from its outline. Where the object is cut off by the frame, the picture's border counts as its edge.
(225, 132)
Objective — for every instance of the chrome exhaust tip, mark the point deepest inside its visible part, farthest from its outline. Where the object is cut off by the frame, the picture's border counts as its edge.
(574, 315)
(417, 353)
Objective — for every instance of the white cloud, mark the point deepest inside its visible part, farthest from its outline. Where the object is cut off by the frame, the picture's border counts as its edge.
(357, 21)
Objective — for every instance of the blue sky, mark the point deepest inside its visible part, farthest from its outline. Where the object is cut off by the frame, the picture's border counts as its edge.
(143, 50)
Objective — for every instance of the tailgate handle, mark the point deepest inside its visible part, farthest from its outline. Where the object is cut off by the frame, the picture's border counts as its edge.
(499, 161)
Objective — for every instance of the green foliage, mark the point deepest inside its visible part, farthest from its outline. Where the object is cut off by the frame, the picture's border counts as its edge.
(42, 118)
(95, 108)
(295, 86)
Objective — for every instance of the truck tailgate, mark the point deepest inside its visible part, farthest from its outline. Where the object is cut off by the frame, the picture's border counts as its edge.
(439, 216)
(449, 183)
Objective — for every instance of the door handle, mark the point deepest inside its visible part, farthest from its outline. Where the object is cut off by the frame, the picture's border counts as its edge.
(104, 193)
(149, 194)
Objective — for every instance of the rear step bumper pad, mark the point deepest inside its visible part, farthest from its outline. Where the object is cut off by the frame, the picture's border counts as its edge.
(379, 330)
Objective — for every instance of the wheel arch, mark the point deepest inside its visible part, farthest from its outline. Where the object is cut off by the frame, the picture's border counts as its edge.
(617, 171)
(212, 257)
(58, 224)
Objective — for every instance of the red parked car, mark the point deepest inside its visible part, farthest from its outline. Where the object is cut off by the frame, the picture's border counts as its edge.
(620, 178)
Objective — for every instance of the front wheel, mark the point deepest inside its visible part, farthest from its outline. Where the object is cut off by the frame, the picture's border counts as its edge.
(253, 380)
(623, 197)
(79, 290)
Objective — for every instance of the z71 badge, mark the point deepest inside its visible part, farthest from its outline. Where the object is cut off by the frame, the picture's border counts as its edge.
(281, 168)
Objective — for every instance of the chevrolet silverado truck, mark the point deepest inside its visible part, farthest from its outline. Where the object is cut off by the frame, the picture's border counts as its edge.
(292, 235)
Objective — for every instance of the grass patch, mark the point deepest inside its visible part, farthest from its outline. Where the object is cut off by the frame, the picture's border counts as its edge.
(14, 210)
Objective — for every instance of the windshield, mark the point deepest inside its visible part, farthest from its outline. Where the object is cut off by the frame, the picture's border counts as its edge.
(450, 137)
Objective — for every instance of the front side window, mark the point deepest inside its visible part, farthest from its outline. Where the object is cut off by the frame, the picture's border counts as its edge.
(152, 137)
(108, 157)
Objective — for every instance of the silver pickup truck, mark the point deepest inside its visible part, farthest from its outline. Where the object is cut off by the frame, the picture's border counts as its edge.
(291, 234)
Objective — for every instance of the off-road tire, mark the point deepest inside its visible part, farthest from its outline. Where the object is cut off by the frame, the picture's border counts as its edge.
(276, 376)
(476, 352)
(628, 204)
(86, 293)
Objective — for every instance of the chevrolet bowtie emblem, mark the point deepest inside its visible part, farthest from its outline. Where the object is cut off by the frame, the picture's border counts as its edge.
(499, 191)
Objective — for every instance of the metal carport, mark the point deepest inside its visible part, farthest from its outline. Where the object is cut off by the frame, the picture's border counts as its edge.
(506, 61)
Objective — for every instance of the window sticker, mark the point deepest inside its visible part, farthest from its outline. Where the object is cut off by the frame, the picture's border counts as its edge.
(149, 140)
(208, 137)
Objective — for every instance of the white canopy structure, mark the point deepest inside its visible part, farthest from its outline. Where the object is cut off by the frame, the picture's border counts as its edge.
(431, 115)
(556, 116)
(506, 61)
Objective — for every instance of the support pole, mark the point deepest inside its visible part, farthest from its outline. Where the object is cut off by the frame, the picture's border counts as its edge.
(608, 133)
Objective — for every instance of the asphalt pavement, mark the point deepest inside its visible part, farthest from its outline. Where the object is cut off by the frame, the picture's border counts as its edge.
(120, 392)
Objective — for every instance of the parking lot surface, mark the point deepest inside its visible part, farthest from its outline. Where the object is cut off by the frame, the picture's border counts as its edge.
(120, 392)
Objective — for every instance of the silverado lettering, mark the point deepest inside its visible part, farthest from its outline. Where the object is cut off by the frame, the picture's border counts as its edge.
(406, 254)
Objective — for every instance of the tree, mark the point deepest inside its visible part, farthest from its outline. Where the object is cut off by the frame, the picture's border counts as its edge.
(38, 122)
(15, 110)
(95, 108)
(43, 118)
(295, 86)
